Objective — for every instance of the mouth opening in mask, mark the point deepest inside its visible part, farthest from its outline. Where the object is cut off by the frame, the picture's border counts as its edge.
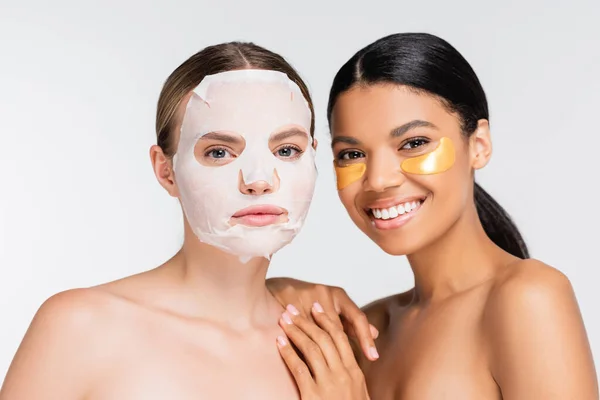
(260, 215)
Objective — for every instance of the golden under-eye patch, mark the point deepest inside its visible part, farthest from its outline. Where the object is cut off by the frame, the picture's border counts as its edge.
(435, 162)
(348, 174)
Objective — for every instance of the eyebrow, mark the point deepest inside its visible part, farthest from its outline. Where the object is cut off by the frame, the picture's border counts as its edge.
(395, 133)
(416, 123)
(288, 133)
(344, 139)
(222, 137)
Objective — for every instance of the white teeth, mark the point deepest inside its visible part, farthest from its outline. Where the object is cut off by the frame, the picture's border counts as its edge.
(393, 212)
(385, 214)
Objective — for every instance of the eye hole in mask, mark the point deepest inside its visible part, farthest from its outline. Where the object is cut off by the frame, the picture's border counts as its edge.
(221, 148)
(218, 148)
(289, 143)
(439, 160)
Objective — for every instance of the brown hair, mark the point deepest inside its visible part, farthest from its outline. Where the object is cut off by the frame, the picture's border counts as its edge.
(213, 60)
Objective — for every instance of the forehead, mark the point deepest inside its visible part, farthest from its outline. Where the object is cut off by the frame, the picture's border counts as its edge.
(247, 107)
(383, 107)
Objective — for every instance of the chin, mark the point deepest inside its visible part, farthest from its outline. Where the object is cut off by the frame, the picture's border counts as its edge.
(399, 247)
(407, 240)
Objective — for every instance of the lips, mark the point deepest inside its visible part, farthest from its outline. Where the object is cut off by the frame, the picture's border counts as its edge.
(394, 213)
(260, 215)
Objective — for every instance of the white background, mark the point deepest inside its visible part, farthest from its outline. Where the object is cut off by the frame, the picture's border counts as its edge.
(79, 82)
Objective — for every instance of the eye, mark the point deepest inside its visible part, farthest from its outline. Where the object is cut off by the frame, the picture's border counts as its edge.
(414, 143)
(350, 155)
(288, 151)
(218, 153)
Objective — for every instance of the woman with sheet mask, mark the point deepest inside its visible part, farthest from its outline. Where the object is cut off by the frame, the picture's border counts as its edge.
(409, 121)
(235, 146)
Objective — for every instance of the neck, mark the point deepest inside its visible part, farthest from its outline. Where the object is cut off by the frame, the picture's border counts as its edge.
(459, 260)
(221, 288)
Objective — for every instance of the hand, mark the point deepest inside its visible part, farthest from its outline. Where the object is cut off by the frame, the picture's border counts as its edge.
(335, 303)
(332, 372)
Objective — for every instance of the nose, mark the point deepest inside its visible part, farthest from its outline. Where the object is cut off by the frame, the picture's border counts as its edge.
(259, 187)
(383, 172)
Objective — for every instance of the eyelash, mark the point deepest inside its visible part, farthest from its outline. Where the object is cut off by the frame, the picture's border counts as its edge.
(289, 146)
(419, 139)
(210, 151)
(217, 159)
(345, 152)
(414, 140)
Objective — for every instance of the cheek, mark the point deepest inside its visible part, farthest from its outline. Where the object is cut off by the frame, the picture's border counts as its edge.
(302, 188)
(296, 181)
(450, 190)
(348, 198)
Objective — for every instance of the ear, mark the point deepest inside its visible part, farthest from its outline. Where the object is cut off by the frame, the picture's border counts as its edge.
(163, 169)
(480, 145)
(315, 143)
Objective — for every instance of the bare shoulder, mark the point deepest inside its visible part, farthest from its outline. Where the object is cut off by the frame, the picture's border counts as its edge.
(63, 341)
(527, 289)
(78, 307)
(378, 311)
(399, 299)
(73, 317)
(532, 323)
(530, 284)
(140, 289)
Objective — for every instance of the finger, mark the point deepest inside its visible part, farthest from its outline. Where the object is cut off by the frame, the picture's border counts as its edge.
(326, 300)
(298, 369)
(338, 336)
(320, 337)
(358, 320)
(350, 330)
(374, 331)
(309, 349)
(285, 293)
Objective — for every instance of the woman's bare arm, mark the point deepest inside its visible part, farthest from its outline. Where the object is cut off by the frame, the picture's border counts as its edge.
(56, 359)
(539, 347)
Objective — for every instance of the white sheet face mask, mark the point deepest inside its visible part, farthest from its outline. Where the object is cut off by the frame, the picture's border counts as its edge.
(252, 106)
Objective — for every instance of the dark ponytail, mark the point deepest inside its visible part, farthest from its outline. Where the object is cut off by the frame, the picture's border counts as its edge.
(498, 225)
(430, 64)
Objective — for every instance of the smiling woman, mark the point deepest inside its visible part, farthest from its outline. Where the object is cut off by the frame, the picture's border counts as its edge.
(410, 126)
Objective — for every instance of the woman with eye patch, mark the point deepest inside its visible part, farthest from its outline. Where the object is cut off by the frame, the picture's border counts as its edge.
(410, 126)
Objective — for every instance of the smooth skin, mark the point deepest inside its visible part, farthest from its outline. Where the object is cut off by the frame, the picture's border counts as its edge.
(202, 325)
(479, 323)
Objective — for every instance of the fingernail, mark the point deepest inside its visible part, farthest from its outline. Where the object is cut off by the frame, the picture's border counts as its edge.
(292, 309)
(286, 318)
(373, 353)
(281, 341)
(318, 307)
(374, 332)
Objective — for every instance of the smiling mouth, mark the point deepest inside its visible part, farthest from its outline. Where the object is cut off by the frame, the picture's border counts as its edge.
(395, 215)
(261, 215)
